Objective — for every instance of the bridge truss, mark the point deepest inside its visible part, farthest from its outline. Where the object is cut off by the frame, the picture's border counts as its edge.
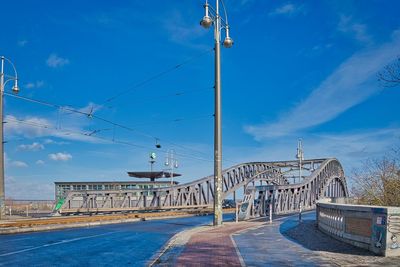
(267, 182)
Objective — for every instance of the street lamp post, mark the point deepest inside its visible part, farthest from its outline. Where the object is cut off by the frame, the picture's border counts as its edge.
(300, 157)
(171, 162)
(212, 17)
(4, 79)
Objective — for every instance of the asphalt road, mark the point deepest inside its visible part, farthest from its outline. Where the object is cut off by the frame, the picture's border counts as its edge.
(108, 245)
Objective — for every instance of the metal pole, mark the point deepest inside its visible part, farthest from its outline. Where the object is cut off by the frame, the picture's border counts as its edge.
(236, 211)
(270, 212)
(172, 168)
(2, 189)
(300, 171)
(300, 210)
(217, 126)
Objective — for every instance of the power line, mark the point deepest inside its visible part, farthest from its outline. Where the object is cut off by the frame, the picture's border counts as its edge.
(156, 76)
(176, 94)
(68, 132)
(174, 120)
(91, 115)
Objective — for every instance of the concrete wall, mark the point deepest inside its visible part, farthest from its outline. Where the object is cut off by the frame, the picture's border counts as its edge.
(374, 228)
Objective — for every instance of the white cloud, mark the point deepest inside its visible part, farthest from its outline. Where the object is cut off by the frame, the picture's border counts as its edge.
(32, 85)
(14, 163)
(23, 188)
(22, 43)
(52, 142)
(60, 156)
(90, 109)
(183, 32)
(28, 127)
(40, 162)
(62, 124)
(18, 164)
(350, 84)
(357, 30)
(350, 148)
(287, 9)
(55, 61)
(31, 147)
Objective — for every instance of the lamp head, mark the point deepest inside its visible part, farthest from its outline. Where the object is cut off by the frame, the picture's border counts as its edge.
(206, 22)
(15, 88)
(228, 42)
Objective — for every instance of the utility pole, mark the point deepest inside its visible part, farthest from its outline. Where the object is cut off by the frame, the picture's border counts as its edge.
(171, 162)
(300, 157)
(212, 17)
(15, 89)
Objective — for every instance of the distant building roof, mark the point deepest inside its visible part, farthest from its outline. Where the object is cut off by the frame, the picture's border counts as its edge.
(115, 182)
(153, 175)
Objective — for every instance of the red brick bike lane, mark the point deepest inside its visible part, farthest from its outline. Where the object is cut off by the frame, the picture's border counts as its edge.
(214, 246)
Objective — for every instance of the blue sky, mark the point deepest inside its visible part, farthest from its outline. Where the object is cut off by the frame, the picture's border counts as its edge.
(298, 69)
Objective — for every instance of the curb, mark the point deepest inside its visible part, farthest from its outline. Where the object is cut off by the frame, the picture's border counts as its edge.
(184, 236)
(16, 230)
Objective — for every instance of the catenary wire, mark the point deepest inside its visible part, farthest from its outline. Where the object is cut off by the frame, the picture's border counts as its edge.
(91, 115)
(68, 132)
(156, 76)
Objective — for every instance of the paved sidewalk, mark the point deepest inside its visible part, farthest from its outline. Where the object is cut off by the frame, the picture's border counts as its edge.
(213, 247)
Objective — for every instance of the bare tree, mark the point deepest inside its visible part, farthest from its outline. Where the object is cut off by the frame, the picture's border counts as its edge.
(390, 75)
(377, 182)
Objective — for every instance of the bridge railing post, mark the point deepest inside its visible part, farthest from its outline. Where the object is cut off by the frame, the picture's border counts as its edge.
(237, 211)
(300, 211)
(270, 212)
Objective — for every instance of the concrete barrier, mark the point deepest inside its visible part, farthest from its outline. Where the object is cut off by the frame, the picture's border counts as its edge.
(375, 228)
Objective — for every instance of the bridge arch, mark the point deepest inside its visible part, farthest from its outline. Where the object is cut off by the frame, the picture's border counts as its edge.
(328, 180)
(325, 175)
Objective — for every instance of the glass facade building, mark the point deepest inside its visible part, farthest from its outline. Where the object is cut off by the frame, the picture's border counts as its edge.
(61, 188)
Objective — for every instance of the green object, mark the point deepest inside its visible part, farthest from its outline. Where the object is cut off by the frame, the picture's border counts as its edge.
(59, 204)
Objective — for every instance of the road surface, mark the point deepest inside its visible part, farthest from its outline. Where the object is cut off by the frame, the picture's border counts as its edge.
(107, 245)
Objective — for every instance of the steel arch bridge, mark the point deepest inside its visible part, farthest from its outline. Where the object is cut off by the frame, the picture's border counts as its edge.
(322, 178)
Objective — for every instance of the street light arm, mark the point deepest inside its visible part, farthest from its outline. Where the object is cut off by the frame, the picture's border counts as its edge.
(13, 66)
(226, 15)
(6, 81)
(213, 14)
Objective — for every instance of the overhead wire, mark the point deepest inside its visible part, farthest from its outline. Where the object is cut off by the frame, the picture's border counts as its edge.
(68, 132)
(136, 86)
(178, 93)
(173, 120)
(91, 115)
(156, 76)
